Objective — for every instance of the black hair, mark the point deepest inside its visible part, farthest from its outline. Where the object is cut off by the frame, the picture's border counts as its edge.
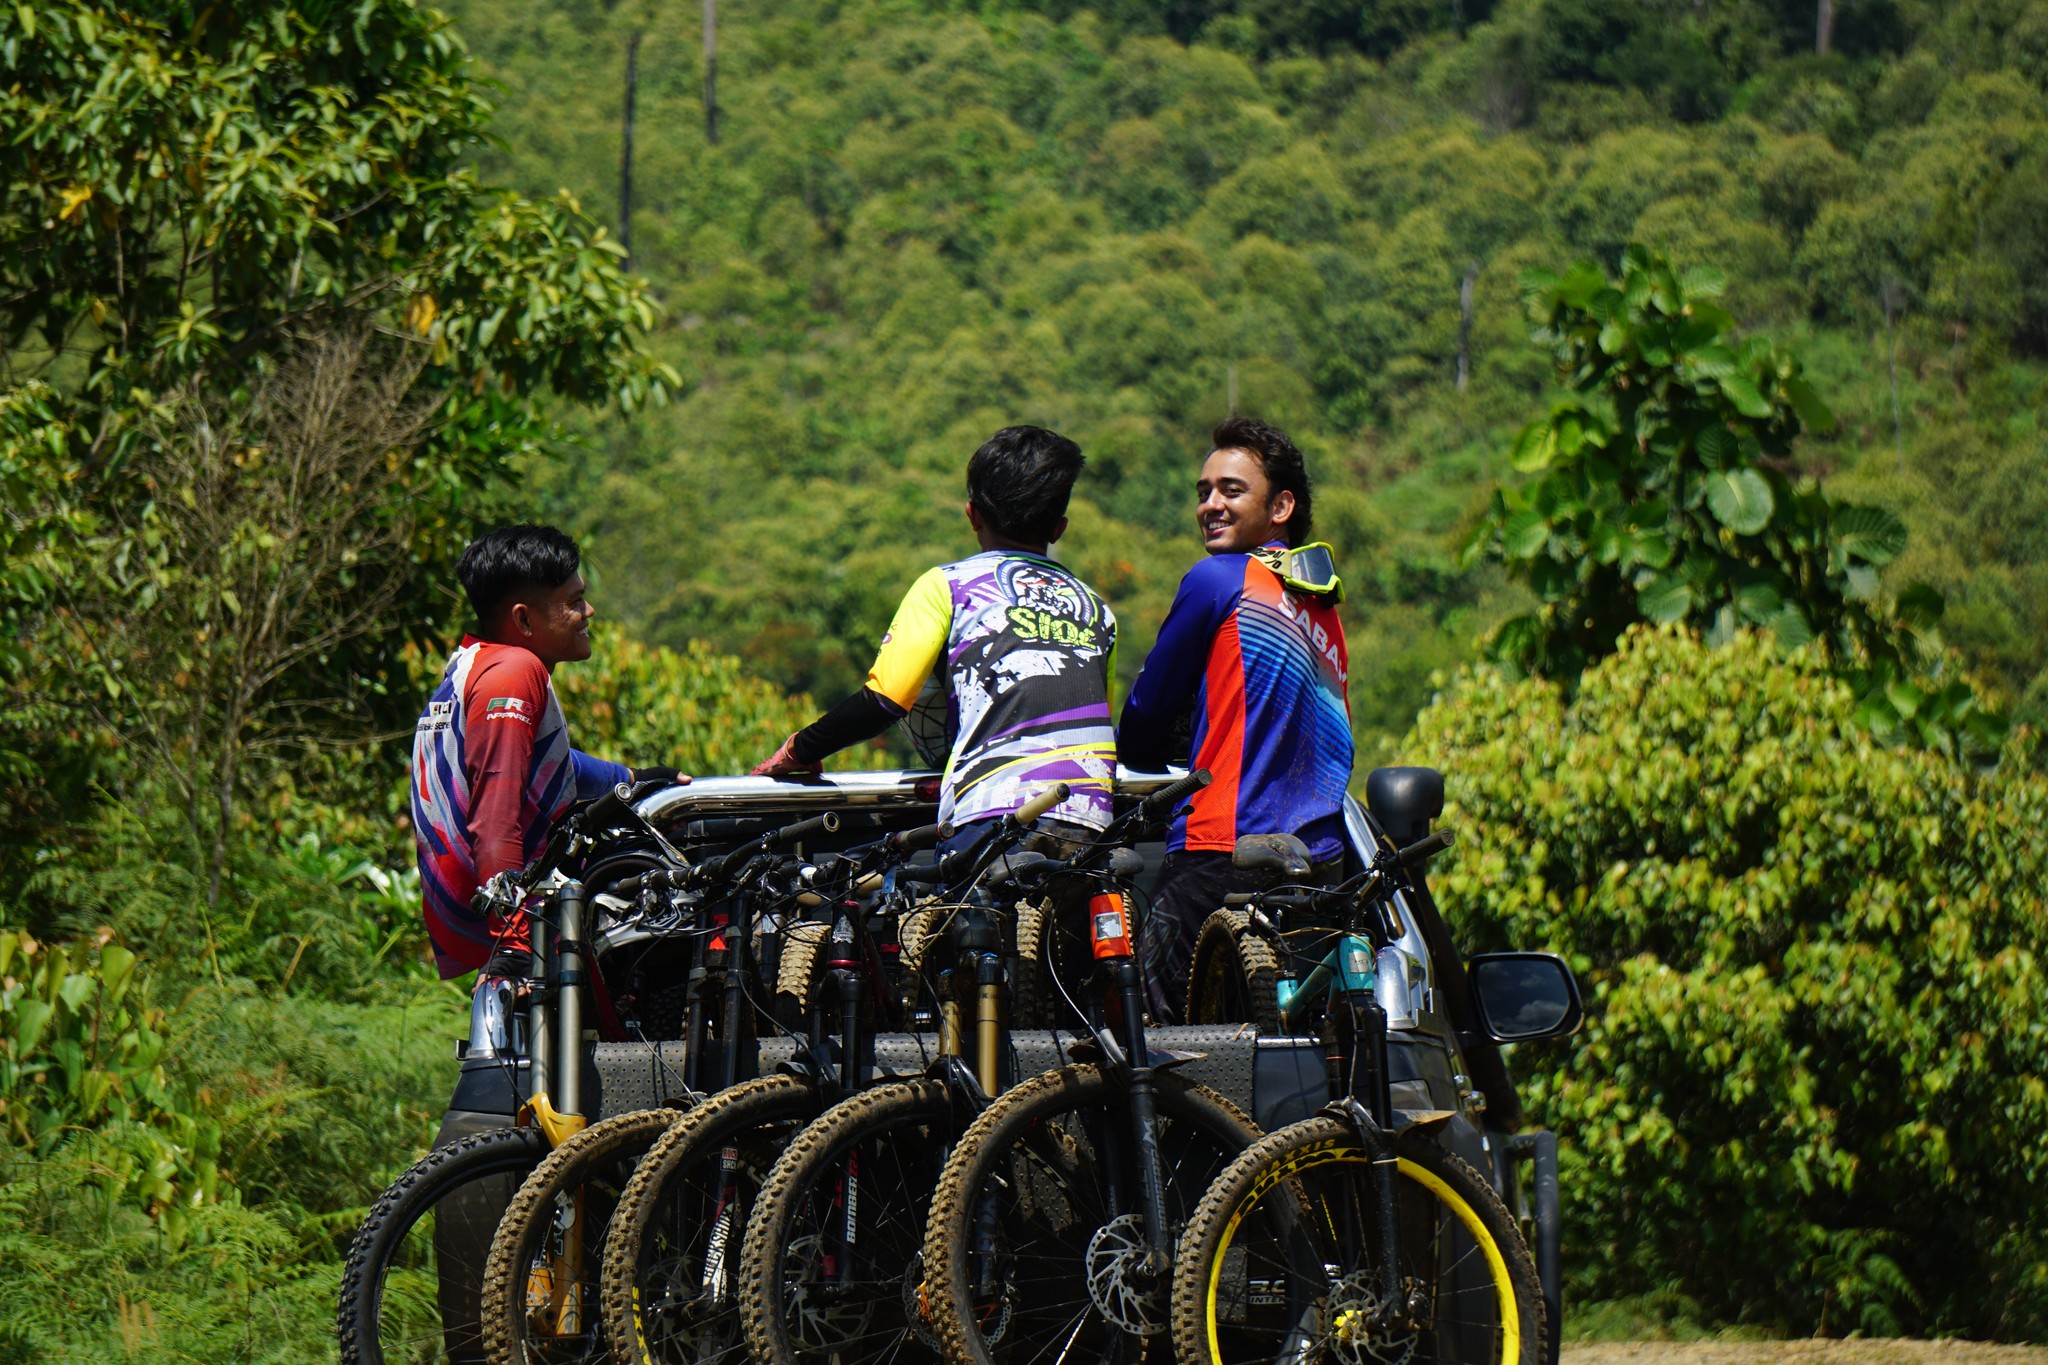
(1280, 459)
(1020, 481)
(500, 565)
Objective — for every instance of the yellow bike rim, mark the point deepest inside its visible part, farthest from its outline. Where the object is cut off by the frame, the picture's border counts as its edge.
(1334, 1150)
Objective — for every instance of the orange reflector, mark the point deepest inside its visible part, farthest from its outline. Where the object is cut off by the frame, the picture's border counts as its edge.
(1109, 925)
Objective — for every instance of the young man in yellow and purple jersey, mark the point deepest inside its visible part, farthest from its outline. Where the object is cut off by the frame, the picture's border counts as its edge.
(1024, 648)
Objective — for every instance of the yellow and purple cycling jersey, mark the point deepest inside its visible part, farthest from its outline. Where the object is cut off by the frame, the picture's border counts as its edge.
(1261, 667)
(492, 771)
(1029, 653)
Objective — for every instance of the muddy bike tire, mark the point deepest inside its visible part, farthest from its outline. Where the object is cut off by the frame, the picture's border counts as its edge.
(662, 1243)
(593, 1165)
(1023, 1254)
(1235, 976)
(895, 1136)
(1267, 1272)
(384, 1311)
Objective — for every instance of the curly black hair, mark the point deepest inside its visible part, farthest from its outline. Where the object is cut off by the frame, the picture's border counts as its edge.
(1020, 481)
(1280, 459)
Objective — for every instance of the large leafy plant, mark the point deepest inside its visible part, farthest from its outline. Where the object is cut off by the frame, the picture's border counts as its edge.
(82, 1066)
(1809, 1092)
(1663, 489)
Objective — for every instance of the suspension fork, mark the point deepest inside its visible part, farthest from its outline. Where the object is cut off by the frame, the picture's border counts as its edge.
(1130, 987)
(1369, 1103)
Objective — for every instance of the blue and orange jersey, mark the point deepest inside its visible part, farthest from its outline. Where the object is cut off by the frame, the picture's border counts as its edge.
(492, 771)
(1259, 668)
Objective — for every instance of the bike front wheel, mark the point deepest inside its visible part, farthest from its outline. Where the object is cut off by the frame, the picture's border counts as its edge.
(541, 1281)
(1038, 1248)
(831, 1269)
(1278, 1262)
(412, 1288)
(669, 1281)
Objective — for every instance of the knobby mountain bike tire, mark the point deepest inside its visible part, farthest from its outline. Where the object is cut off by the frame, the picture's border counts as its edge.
(1036, 1244)
(540, 1291)
(411, 1290)
(1235, 976)
(669, 1294)
(831, 1268)
(1274, 1264)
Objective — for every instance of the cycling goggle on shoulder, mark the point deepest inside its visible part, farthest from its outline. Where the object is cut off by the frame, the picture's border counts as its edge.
(1310, 568)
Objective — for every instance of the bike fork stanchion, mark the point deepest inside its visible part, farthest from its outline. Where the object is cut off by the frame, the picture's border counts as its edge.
(1374, 1121)
(1130, 986)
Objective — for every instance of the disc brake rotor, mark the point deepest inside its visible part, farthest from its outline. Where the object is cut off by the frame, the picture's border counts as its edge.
(1356, 1305)
(1117, 1284)
(821, 1319)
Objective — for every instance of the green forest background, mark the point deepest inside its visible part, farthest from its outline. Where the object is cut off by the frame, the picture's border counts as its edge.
(298, 296)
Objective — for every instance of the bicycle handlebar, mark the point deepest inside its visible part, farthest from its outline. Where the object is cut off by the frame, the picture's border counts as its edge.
(1041, 803)
(919, 839)
(828, 823)
(1171, 795)
(1420, 852)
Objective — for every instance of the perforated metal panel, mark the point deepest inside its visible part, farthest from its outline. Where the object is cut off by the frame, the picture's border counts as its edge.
(635, 1076)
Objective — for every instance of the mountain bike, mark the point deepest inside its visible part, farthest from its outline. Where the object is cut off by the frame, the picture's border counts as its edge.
(1053, 1221)
(1356, 1234)
(408, 1291)
(541, 1279)
(672, 1269)
(412, 1284)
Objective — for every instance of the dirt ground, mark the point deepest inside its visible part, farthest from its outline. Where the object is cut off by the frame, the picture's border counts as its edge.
(1802, 1353)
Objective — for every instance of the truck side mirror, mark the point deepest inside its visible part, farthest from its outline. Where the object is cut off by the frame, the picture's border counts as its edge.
(1525, 996)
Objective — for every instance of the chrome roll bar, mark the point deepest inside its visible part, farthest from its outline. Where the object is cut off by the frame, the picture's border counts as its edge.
(900, 788)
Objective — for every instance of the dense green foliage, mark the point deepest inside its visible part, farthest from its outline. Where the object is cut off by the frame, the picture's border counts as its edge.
(922, 220)
(1811, 1085)
(269, 348)
(1660, 497)
(272, 345)
(268, 342)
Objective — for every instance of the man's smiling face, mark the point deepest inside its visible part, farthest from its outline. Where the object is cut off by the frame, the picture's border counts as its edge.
(1235, 508)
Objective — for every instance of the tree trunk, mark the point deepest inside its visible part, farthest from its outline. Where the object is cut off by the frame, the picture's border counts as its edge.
(1891, 296)
(626, 147)
(1824, 27)
(711, 72)
(1465, 324)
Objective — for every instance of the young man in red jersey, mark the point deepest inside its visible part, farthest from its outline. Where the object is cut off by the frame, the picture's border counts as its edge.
(492, 768)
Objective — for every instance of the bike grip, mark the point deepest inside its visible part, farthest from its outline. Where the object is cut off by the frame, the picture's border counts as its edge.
(1172, 793)
(1041, 803)
(607, 808)
(919, 839)
(1421, 851)
(868, 885)
(828, 823)
(1237, 898)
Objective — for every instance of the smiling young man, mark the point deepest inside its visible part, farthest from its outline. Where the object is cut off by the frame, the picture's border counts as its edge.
(1253, 655)
(492, 768)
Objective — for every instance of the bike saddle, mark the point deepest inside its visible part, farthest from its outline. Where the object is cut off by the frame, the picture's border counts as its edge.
(1281, 855)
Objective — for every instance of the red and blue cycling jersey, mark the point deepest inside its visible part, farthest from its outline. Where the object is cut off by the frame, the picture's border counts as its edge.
(492, 771)
(1260, 668)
